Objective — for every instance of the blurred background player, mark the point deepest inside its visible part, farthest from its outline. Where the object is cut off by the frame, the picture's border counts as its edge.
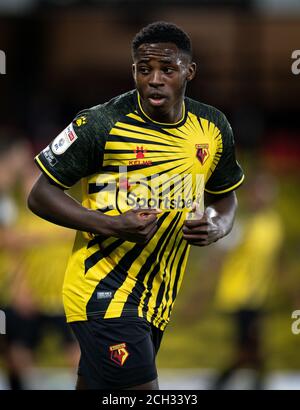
(10, 165)
(36, 254)
(247, 274)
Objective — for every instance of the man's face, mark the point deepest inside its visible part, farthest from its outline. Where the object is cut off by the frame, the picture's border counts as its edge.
(161, 72)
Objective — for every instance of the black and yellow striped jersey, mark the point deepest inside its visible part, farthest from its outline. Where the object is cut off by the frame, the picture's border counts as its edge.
(125, 159)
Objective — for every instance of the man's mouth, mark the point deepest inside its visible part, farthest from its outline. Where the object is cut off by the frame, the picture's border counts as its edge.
(156, 99)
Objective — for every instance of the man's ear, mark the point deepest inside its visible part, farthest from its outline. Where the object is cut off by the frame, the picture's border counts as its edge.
(192, 68)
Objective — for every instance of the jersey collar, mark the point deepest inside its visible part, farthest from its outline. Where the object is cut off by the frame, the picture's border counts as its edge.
(161, 124)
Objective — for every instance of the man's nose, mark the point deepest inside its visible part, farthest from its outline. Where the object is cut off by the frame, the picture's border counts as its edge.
(156, 79)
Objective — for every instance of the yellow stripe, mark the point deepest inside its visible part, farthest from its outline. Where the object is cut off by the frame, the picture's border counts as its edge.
(228, 189)
(139, 132)
(116, 306)
(161, 123)
(79, 288)
(165, 317)
(135, 117)
(158, 279)
(172, 274)
(48, 173)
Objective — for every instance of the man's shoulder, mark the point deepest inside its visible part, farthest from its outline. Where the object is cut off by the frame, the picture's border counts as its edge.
(207, 112)
(109, 112)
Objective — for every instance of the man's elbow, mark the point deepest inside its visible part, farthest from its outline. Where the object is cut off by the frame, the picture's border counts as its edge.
(235, 200)
(35, 197)
(32, 202)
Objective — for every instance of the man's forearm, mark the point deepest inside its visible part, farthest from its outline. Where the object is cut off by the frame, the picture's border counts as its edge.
(53, 204)
(222, 208)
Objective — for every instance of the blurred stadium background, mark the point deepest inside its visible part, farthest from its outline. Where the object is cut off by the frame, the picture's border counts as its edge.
(66, 55)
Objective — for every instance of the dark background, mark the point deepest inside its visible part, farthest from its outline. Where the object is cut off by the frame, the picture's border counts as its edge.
(63, 56)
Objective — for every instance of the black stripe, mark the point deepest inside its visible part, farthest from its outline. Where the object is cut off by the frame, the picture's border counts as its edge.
(199, 120)
(170, 134)
(116, 277)
(100, 254)
(172, 255)
(147, 265)
(139, 287)
(122, 138)
(191, 124)
(178, 274)
(219, 135)
(147, 126)
(193, 194)
(105, 209)
(170, 188)
(133, 121)
(171, 177)
(163, 284)
(171, 269)
(113, 280)
(94, 241)
(115, 168)
(96, 187)
(130, 151)
(155, 270)
(164, 172)
(119, 151)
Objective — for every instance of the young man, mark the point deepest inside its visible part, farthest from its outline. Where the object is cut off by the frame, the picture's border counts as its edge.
(150, 148)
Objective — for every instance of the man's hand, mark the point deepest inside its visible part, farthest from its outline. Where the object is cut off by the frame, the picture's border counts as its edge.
(214, 223)
(203, 231)
(136, 225)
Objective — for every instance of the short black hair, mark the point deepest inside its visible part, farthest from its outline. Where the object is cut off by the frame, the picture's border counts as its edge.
(162, 32)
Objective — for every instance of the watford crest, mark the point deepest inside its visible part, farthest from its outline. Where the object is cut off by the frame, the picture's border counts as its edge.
(202, 152)
(119, 353)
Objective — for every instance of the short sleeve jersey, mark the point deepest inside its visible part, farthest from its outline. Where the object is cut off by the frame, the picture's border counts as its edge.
(125, 159)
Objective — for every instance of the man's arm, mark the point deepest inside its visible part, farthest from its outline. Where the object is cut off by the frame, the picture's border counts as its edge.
(216, 222)
(53, 204)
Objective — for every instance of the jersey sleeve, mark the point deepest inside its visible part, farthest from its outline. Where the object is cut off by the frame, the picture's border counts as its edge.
(228, 174)
(75, 153)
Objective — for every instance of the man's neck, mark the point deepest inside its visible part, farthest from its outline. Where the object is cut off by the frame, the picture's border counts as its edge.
(173, 116)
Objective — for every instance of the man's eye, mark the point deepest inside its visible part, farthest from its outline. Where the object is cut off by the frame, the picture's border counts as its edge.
(168, 70)
(144, 70)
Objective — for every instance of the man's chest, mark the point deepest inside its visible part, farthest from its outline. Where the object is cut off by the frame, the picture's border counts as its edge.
(151, 149)
(149, 166)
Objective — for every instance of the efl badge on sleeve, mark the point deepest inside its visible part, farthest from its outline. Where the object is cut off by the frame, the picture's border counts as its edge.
(119, 353)
(64, 140)
(202, 152)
